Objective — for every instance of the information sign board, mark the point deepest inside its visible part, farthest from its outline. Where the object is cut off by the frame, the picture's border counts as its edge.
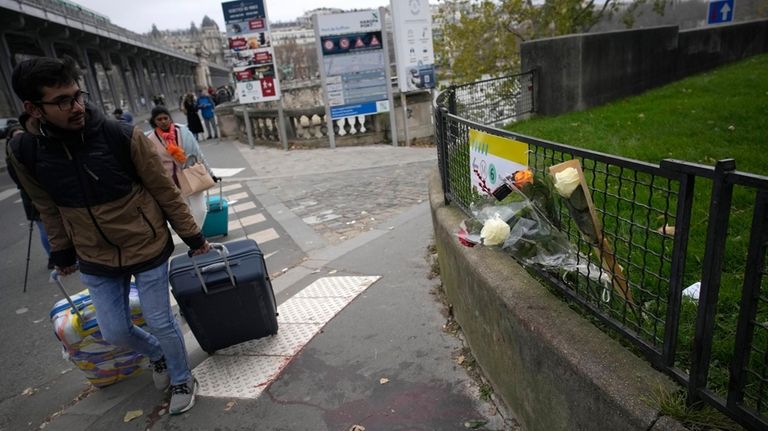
(415, 54)
(250, 42)
(353, 62)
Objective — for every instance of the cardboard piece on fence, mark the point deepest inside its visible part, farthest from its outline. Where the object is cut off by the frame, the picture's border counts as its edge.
(601, 246)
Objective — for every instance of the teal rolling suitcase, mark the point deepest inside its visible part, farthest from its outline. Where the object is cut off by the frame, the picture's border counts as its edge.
(217, 215)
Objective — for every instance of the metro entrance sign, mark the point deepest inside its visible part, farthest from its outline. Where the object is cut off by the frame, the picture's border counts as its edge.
(720, 12)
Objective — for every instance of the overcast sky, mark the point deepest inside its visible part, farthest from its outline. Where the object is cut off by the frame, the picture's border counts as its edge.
(138, 15)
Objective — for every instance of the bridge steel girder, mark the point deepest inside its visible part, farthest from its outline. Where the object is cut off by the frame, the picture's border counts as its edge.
(106, 62)
(139, 67)
(121, 66)
(6, 72)
(50, 33)
(13, 22)
(90, 76)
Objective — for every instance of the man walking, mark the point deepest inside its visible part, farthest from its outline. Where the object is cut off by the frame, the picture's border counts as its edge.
(106, 201)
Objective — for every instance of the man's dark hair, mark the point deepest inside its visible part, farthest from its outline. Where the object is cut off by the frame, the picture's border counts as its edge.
(117, 111)
(30, 76)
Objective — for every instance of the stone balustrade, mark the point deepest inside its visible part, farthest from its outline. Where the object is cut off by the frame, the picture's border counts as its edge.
(308, 127)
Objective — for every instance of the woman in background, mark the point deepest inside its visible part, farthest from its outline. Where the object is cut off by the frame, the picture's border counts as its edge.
(193, 120)
(178, 149)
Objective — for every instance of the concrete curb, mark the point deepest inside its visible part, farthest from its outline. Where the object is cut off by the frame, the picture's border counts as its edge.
(553, 368)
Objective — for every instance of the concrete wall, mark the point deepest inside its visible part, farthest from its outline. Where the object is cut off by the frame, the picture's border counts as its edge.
(550, 366)
(585, 70)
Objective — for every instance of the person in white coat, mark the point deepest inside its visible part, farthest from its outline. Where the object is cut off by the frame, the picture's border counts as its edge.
(178, 149)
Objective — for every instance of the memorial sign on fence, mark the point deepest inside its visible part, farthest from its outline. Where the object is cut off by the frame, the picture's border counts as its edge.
(250, 42)
(492, 158)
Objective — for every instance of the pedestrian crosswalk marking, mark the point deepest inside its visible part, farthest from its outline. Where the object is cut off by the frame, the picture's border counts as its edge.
(264, 236)
(237, 197)
(246, 221)
(252, 219)
(230, 187)
(246, 369)
(244, 207)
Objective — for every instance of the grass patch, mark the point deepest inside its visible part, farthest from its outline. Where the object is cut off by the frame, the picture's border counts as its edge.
(695, 418)
(715, 115)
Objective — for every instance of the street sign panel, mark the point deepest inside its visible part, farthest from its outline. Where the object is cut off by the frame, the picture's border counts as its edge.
(353, 62)
(720, 12)
(250, 43)
(415, 55)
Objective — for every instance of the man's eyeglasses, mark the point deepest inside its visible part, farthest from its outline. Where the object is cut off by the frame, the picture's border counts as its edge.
(68, 103)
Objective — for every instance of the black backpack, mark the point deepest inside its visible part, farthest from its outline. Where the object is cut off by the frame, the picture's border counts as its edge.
(118, 137)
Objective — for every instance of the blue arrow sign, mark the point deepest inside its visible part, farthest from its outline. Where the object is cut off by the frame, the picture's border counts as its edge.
(720, 12)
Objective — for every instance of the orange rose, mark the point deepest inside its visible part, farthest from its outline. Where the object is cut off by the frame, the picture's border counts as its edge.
(523, 177)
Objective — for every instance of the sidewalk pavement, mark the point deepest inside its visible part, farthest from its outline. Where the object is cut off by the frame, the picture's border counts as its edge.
(362, 337)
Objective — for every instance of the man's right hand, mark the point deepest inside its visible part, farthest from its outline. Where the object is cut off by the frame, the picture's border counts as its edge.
(202, 250)
(66, 270)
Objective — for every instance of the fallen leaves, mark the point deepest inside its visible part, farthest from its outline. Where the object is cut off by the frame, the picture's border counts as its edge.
(357, 428)
(475, 424)
(229, 406)
(29, 392)
(132, 414)
(383, 381)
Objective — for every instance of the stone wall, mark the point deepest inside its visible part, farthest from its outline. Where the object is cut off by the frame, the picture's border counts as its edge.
(552, 368)
(585, 70)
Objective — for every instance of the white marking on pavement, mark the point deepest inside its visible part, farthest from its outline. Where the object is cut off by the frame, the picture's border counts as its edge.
(237, 376)
(5, 194)
(230, 187)
(320, 219)
(237, 196)
(226, 172)
(246, 369)
(246, 221)
(264, 235)
(252, 219)
(243, 206)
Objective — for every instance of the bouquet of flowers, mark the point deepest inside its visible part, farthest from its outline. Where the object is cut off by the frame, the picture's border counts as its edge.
(518, 218)
(572, 188)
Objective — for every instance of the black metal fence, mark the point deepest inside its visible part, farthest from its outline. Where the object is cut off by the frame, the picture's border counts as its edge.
(648, 215)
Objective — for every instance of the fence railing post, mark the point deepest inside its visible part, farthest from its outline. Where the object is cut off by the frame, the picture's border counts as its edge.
(750, 295)
(452, 100)
(717, 230)
(679, 252)
(444, 149)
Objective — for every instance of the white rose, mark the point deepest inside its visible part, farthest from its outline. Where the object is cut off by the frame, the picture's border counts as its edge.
(566, 182)
(495, 231)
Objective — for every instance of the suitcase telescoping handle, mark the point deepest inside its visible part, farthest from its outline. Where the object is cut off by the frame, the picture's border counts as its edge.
(218, 266)
(207, 196)
(55, 277)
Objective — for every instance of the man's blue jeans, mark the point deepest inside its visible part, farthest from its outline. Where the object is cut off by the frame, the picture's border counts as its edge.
(110, 297)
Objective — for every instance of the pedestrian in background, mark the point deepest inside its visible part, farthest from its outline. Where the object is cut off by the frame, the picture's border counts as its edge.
(29, 209)
(178, 150)
(123, 117)
(206, 105)
(106, 202)
(190, 108)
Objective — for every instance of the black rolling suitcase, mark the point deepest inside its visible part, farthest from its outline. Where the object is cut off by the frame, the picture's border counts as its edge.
(226, 297)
